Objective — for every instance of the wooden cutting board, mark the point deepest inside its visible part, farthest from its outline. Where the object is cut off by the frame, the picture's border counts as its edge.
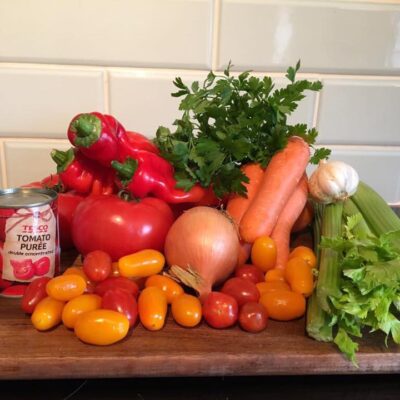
(282, 349)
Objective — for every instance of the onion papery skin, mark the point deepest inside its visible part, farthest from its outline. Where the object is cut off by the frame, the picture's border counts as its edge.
(202, 248)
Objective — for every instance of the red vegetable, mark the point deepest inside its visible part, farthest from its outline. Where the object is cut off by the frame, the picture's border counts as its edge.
(95, 134)
(122, 301)
(220, 310)
(120, 227)
(253, 317)
(242, 290)
(201, 248)
(131, 141)
(97, 265)
(34, 293)
(117, 282)
(250, 273)
(144, 173)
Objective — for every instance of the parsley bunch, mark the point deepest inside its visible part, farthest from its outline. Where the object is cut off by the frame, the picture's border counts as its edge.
(229, 121)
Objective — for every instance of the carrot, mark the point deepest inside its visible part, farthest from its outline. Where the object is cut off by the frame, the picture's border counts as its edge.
(286, 220)
(305, 218)
(237, 205)
(281, 177)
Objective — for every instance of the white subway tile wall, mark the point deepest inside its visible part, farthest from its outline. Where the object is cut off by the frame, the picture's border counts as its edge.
(61, 58)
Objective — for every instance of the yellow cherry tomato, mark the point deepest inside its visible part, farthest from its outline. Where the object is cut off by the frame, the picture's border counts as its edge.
(306, 254)
(263, 253)
(152, 307)
(77, 306)
(101, 327)
(275, 274)
(141, 264)
(299, 275)
(75, 270)
(264, 287)
(171, 288)
(283, 305)
(186, 310)
(66, 287)
(47, 314)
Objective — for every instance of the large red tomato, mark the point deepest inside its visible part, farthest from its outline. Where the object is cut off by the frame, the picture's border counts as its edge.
(120, 227)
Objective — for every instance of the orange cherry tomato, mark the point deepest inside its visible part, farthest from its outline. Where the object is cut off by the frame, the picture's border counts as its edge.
(263, 253)
(306, 254)
(186, 310)
(171, 288)
(283, 305)
(299, 275)
(275, 274)
(47, 314)
(101, 327)
(152, 306)
(77, 306)
(66, 287)
(141, 264)
(264, 287)
(78, 270)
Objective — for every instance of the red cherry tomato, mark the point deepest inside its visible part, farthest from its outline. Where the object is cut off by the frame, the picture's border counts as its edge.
(250, 273)
(123, 302)
(220, 310)
(253, 317)
(117, 282)
(97, 265)
(120, 227)
(35, 292)
(241, 289)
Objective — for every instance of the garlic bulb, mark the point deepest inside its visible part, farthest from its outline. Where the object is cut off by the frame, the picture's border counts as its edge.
(333, 181)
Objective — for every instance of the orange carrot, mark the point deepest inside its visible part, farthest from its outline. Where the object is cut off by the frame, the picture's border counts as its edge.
(288, 216)
(237, 205)
(305, 218)
(281, 177)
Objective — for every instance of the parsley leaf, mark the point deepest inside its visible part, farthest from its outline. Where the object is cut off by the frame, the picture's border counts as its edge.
(228, 121)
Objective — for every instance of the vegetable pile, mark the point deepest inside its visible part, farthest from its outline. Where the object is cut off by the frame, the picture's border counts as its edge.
(212, 221)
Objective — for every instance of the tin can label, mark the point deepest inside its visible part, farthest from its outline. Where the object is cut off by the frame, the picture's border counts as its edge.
(30, 247)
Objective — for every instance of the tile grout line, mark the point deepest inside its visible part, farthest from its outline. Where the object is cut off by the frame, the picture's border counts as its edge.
(3, 166)
(317, 103)
(215, 35)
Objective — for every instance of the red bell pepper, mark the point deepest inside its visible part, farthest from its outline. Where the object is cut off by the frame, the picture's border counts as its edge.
(78, 173)
(145, 173)
(95, 135)
(130, 142)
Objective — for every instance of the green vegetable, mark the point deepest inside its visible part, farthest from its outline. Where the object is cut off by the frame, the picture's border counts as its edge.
(368, 290)
(228, 121)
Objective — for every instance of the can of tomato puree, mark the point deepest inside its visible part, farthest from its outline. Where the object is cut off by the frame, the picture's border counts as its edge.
(29, 242)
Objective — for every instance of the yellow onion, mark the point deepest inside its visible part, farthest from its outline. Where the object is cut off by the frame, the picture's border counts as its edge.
(202, 248)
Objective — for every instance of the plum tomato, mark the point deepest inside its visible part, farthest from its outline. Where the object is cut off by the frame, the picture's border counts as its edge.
(141, 264)
(241, 289)
(283, 305)
(171, 288)
(123, 302)
(263, 253)
(250, 273)
(101, 327)
(77, 306)
(299, 275)
(120, 227)
(220, 310)
(186, 310)
(306, 254)
(119, 282)
(275, 274)
(253, 317)
(97, 265)
(47, 314)
(153, 306)
(34, 293)
(271, 286)
(65, 287)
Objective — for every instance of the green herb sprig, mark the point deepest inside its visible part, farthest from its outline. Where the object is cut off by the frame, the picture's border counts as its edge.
(229, 121)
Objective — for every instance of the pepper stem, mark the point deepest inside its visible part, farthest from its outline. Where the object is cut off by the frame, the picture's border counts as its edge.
(88, 129)
(62, 158)
(125, 170)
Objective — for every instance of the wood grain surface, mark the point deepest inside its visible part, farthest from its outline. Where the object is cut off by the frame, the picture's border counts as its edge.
(282, 349)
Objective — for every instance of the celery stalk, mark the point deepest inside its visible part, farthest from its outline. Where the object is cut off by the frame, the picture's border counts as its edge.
(317, 323)
(350, 210)
(329, 270)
